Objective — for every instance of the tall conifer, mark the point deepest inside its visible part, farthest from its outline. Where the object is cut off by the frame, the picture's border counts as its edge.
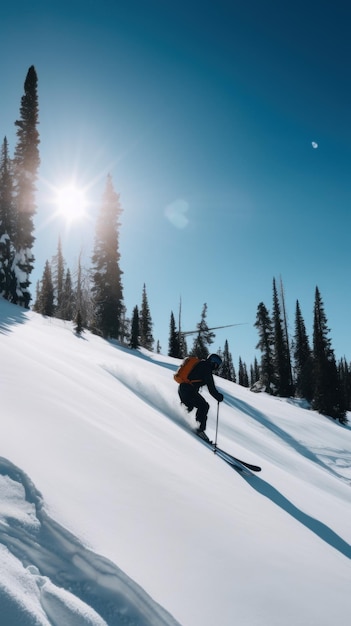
(344, 373)
(302, 358)
(58, 278)
(135, 331)
(243, 378)
(265, 345)
(26, 167)
(327, 397)
(227, 370)
(281, 359)
(7, 224)
(173, 343)
(45, 305)
(203, 338)
(67, 300)
(145, 324)
(106, 274)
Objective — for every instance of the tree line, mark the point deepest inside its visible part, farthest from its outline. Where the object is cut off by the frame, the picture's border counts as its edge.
(93, 298)
(300, 367)
(289, 366)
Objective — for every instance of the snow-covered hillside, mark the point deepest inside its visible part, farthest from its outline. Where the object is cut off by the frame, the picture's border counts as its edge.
(113, 512)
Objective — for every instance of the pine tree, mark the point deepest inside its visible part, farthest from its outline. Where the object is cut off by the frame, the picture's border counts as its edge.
(281, 361)
(145, 324)
(36, 304)
(252, 378)
(107, 284)
(58, 277)
(203, 338)
(124, 333)
(67, 300)
(265, 344)
(79, 328)
(135, 332)
(7, 224)
(243, 376)
(46, 295)
(26, 167)
(344, 375)
(327, 397)
(183, 346)
(287, 341)
(173, 344)
(83, 300)
(227, 368)
(303, 363)
(254, 373)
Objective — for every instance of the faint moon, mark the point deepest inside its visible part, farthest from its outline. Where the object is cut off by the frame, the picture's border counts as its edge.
(314, 144)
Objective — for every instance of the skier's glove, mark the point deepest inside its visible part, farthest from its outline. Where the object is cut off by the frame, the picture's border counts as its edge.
(220, 397)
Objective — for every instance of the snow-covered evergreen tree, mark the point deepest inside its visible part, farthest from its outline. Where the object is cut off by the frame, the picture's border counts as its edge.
(7, 224)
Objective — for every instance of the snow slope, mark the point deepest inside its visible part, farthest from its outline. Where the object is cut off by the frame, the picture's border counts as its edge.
(113, 512)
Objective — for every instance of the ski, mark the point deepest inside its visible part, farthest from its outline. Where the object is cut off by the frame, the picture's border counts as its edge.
(229, 458)
(242, 469)
(250, 466)
(237, 463)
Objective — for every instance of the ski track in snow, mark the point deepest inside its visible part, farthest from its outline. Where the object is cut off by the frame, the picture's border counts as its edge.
(64, 583)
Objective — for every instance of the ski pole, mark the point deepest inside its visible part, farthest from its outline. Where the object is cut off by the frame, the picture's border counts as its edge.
(215, 443)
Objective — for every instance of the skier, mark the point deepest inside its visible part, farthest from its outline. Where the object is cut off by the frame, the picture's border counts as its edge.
(200, 375)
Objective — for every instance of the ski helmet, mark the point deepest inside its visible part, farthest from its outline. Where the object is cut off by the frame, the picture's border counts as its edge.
(215, 361)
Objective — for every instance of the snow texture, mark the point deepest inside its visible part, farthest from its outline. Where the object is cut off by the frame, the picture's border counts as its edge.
(113, 512)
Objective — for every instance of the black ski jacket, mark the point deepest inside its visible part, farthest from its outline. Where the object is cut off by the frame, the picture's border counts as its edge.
(202, 375)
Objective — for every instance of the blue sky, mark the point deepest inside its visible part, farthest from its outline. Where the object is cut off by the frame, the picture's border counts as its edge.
(204, 114)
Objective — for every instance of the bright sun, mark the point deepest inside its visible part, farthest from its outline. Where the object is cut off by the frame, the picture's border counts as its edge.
(71, 202)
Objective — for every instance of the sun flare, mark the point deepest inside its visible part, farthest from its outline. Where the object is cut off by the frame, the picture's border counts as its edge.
(71, 202)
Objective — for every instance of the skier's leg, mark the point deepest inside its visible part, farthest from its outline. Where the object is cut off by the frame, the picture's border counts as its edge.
(191, 398)
(202, 410)
(186, 393)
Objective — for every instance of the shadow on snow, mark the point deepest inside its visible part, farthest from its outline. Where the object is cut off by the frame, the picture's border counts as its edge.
(245, 408)
(322, 531)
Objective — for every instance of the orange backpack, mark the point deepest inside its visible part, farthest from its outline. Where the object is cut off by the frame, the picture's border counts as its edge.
(183, 371)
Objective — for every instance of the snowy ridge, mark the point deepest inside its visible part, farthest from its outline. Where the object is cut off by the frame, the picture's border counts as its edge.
(112, 512)
(72, 585)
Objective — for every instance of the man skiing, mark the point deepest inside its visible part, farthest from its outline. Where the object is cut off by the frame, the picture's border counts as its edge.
(200, 375)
